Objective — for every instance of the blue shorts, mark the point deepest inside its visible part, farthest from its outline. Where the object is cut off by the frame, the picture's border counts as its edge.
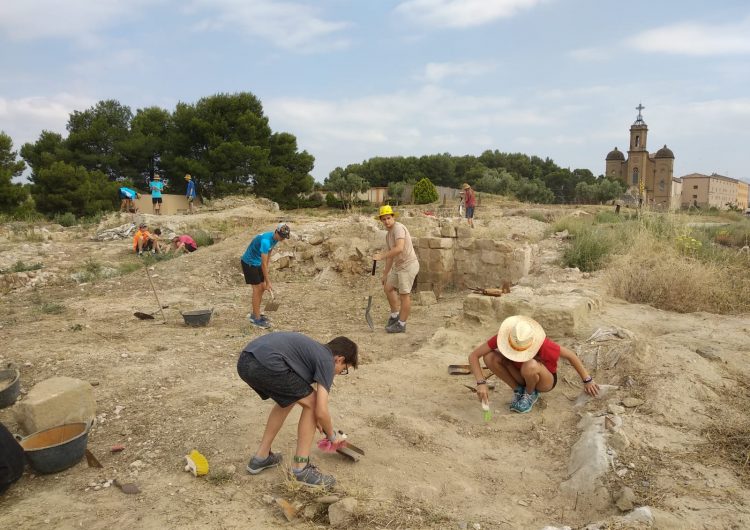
(469, 212)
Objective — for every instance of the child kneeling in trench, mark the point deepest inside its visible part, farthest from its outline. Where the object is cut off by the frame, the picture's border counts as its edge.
(524, 358)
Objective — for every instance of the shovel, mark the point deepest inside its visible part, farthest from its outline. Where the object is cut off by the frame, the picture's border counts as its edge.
(351, 451)
(272, 304)
(368, 317)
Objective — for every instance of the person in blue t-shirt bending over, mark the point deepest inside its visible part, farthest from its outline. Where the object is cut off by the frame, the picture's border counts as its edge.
(156, 187)
(128, 196)
(255, 262)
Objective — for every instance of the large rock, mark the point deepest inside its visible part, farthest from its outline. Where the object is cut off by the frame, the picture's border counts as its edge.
(341, 513)
(56, 401)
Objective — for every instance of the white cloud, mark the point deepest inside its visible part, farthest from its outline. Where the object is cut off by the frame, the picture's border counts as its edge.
(79, 20)
(461, 13)
(288, 25)
(436, 72)
(589, 55)
(695, 39)
(24, 119)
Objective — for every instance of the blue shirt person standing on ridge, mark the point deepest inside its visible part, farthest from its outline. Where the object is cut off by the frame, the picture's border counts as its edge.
(156, 186)
(190, 192)
(254, 264)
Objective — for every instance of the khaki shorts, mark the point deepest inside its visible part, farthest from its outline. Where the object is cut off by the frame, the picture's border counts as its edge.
(403, 279)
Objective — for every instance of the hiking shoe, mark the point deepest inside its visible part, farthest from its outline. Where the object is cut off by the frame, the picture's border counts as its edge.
(256, 465)
(396, 327)
(264, 318)
(391, 321)
(525, 403)
(517, 393)
(311, 476)
(259, 322)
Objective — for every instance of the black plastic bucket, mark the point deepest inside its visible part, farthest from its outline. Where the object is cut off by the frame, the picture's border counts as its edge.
(10, 386)
(197, 318)
(56, 449)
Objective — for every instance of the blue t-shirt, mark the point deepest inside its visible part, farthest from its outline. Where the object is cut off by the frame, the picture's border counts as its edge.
(281, 351)
(156, 187)
(127, 193)
(190, 189)
(261, 244)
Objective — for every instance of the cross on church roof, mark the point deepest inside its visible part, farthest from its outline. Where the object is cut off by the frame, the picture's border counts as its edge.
(639, 108)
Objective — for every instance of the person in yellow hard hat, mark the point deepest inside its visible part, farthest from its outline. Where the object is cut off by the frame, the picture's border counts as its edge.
(401, 268)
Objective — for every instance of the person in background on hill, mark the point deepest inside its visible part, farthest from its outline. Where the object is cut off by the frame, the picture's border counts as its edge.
(190, 193)
(144, 240)
(127, 197)
(255, 263)
(524, 358)
(401, 268)
(470, 201)
(283, 367)
(156, 186)
(183, 243)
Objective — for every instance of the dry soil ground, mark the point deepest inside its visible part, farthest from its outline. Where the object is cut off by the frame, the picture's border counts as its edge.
(163, 389)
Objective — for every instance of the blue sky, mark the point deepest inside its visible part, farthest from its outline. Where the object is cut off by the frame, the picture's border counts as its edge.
(357, 79)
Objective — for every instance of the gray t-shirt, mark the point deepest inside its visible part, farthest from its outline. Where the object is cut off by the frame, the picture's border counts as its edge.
(281, 351)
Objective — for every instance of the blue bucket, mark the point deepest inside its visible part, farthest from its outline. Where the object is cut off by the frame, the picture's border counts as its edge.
(56, 449)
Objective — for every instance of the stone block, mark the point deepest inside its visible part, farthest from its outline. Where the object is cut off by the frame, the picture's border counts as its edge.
(448, 231)
(490, 257)
(433, 242)
(56, 401)
(479, 307)
(484, 244)
(424, 286)
(466, 243)
(503, 246)
(426, 298)
(422, 242)
(464, 232)
(441, 242)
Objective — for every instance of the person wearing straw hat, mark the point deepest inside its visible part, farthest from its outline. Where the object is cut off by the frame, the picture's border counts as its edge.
(470, 202)
(190, 193)
(156, 186)
(401, 268)
(524, 358)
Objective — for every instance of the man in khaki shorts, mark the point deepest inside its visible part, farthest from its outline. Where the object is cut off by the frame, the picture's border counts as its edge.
(401, 267)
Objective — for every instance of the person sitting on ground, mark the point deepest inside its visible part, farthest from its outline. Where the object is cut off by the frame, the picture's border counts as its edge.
(283, 366)
(127, 196)
(524, 358)
(190, 193)
(254, 264)
(183, 243)
(401, 268)
(144, 240)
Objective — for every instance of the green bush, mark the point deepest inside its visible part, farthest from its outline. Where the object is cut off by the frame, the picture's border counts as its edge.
(202, 238)
(65, 219)
(589, 249)
(334, 202)
(425, 192)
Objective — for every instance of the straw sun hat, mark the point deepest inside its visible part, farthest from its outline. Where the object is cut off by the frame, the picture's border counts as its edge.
(520, 338)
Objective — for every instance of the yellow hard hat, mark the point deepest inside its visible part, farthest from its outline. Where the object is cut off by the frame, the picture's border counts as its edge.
(386, 210)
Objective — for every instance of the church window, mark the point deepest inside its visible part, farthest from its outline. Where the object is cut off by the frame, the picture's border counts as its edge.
(661, 185)
(635, 176)
(637, 140)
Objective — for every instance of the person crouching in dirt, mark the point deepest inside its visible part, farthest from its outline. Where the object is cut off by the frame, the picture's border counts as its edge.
(143, 240)
(524, 358)
(401, 267)
(283, 366)
(183, 244)
(254, 264)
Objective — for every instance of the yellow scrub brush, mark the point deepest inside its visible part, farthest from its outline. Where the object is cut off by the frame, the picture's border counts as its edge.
(196, 463)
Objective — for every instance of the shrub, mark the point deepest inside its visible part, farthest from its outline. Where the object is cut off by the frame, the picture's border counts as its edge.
(65, 219)
(589, 249)
(334, 202)
(20, 266)
(425, 192)
(202, 238)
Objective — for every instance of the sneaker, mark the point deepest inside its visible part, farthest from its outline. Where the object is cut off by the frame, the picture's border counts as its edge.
(259, 322)
(396, 327)
(534, 396)
(517, 393)
(257, 465)
(524, 404)
(264, 318)
(311, 476)
(391, 321)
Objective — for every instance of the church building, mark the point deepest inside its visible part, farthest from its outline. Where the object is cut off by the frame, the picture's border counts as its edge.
(649, 177)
